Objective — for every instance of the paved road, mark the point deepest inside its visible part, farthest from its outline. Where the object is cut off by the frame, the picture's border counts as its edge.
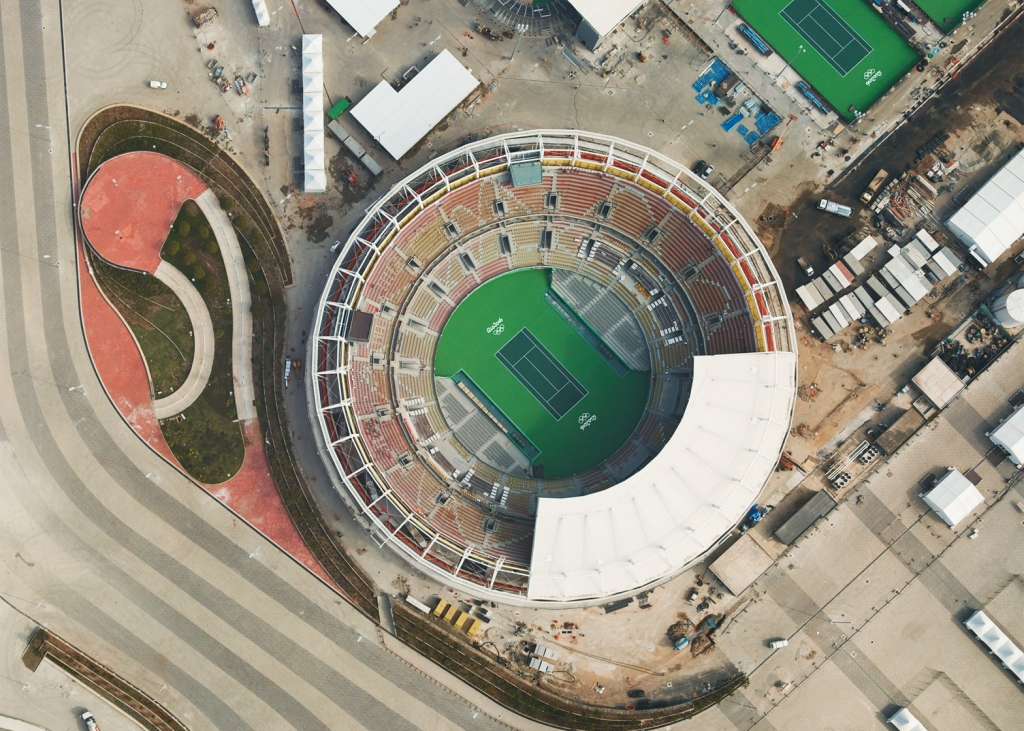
(103, 542)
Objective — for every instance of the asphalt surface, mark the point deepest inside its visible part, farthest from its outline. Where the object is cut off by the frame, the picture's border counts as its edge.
(105, 543)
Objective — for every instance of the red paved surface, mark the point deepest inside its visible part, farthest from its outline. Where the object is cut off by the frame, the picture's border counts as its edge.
(154, 185)
(131, 202)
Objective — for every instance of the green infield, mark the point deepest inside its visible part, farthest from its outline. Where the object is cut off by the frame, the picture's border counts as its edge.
(541, 373)
(948, 14)
(843, 48)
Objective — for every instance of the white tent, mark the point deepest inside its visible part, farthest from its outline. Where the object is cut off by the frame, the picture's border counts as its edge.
(312, 82)
(604, 15)
(312, 103)
(904, 720)
(400, 119)
(315, 181)
(953, 498)
(1010, 436)
(363, 15)
(313, 43)
(312, 63)
(998, 643)
(262, 14)
(679, 506)
(313, 113)
(313, 121)
(993, 219)
(312, 141)
(313, 159)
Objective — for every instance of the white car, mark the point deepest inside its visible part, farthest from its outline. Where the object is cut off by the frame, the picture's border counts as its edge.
(90, 722)
(335, 246)
(157, 84)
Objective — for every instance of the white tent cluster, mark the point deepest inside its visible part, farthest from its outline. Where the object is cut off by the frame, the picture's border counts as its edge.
(313, 113)
(993, 219)
(689, 496)
(262, 14)
(998, 643)
(953, 497)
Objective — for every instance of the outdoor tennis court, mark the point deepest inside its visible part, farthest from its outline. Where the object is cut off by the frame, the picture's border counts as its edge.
(828, 34)
(845, 50)
(542, 375)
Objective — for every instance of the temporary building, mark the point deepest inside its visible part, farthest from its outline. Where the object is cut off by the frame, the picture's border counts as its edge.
(400, 119)
(363, 15)
(999, 644)
(1010, 436)
(993, 218)
(601, 17)
(904, 720)
(938, 382)
(262, 14)
(315, 177)
(953, 497)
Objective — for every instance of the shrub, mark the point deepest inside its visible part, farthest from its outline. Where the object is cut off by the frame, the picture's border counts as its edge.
(173, 246)
(261, 287)
(253, 265)
(189, 258)
(204, 233)
(198, 272)
(258, 310)
(227, 204)
(212, 249)
(184, 228)
(243, 224)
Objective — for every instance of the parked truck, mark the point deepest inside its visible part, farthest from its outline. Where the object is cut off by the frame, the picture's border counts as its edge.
(876, 183)
(827, 205)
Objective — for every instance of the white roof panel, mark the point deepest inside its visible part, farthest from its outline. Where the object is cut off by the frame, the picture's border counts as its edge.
(993, 219)
(315, 181)
(312, 63)
(809, 296)
(904, 720)
(927, 239)
(953, 498)
(678, 507)
(312, 43)
(1010, 436)
(400, 119)
(312, 102)
(262, 14)
(865, 247)
(604, 15)
(938, 382)
(363, 15)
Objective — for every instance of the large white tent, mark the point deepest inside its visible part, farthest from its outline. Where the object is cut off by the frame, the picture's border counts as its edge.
(363, 15)
(953, 498)
(262, 14)
(601, 17)
(691, 494)
(400, 119)
(993, 219)
(1010, 436)
(315, 178)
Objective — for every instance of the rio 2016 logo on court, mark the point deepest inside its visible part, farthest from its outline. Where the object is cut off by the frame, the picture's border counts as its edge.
(497, 327)
(586, 420)
(871, 76)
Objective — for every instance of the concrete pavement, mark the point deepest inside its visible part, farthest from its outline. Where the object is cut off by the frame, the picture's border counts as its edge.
(202, 337)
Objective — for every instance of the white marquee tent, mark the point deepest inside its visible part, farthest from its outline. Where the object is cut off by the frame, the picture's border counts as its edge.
(363, 15)
(691, 494)
(1010, 436)
(315, 178)
(262, 14)
(953, 498)
(993, 219)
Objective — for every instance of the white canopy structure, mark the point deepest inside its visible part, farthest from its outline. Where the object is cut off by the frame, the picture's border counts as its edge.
(601, 17)
(363, 15)
(1010, 436)
(673, 510)
(993, 219)
(998, 643)
(904, 720)
(262, 14)
(953, 498)
(313, 113)
(400, 119)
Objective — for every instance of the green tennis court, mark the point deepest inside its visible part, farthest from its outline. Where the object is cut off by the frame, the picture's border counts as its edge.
(843, 48)
(543, 375)
(948, 14)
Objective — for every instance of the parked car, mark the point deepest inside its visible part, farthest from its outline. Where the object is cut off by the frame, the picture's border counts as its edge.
(707, 171)
(157, 84)
(776, 644)
(700, 167)
(335, 246)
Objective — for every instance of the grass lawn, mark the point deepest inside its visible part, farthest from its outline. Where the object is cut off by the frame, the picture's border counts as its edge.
(157, 319)
(948, 14)
(208, 443)
(565, 448)
(841, 28)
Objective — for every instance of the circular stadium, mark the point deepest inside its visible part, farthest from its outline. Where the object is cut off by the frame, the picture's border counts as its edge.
(552, 366)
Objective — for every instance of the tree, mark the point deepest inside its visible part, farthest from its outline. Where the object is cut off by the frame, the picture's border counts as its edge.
(189, 258)
(212, 249)
(261, 287)
(184, 228)
(173, 247)
(198, 272)
(258, 310)
(243, 224)
(204, 233)
(227, 204)
(253, 265)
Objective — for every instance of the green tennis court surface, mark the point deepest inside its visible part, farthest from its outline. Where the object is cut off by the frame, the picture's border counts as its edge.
(948, 14)
(827, 33)
(850, 56)
(542, 375)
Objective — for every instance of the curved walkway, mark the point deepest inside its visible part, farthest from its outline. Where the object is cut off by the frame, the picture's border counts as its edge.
(202, 335)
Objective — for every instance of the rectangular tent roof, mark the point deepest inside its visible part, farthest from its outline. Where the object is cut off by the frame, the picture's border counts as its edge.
(400, 119)
(604, 15)
(315, 179)
(1010, 436)
(740, 566)
(363, 15)
(953, 498)
(262, 15)
(938, 382)
(993, 219)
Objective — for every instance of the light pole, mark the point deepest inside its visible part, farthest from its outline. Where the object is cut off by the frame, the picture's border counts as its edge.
(790, 61)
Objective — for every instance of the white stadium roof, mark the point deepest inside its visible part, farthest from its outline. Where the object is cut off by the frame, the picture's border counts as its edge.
(604, 15)
(993, 219)
(363, 15)
(400, 119)
(692, 493)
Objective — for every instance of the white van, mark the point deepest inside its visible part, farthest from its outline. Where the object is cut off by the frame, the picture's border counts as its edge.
(776, 644)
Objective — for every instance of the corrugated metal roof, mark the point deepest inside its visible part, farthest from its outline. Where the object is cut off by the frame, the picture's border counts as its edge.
(363, 15)
(400, 119)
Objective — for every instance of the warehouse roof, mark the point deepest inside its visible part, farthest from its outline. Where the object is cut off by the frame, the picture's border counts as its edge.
(400, 119)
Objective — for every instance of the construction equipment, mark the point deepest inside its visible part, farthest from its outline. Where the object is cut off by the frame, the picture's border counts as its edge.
(873, 186)
(204, 17)
(708, 625)
(754, 516)
(218, 122)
